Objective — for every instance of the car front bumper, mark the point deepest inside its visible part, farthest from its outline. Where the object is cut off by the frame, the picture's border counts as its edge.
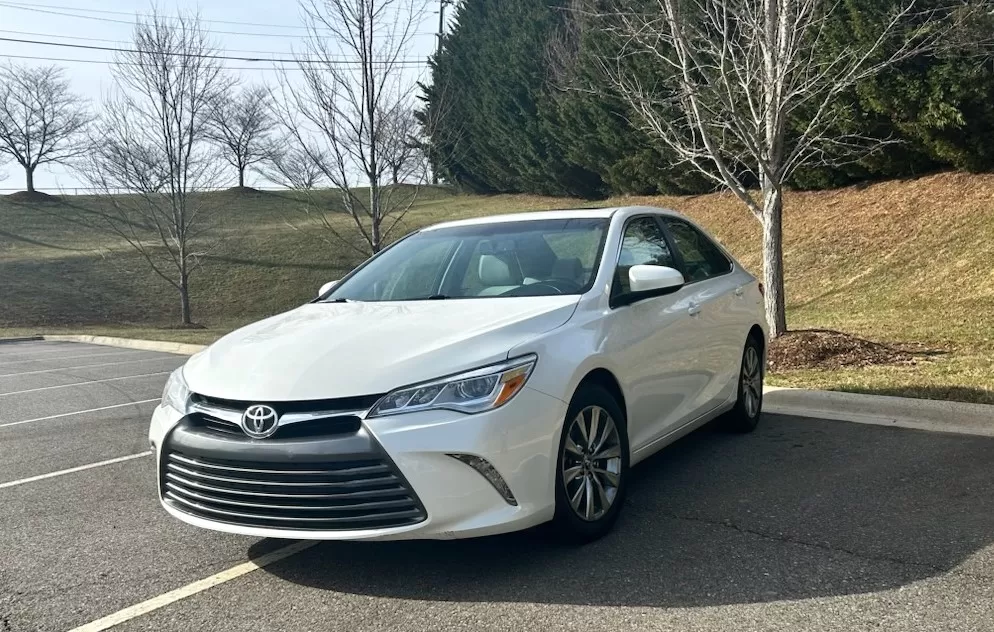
(520, 440)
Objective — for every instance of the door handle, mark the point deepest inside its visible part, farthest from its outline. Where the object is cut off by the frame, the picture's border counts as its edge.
(694, 309)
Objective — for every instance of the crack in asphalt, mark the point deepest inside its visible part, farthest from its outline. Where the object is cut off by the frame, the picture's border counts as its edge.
(786, 539)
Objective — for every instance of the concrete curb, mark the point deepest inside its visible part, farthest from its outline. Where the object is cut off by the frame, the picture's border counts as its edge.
(179, 348)
(881, 410)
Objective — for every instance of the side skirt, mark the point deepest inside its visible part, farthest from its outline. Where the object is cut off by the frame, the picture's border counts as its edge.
(661, 442)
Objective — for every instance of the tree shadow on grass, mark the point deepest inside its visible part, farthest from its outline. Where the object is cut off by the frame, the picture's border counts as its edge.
(799, 509)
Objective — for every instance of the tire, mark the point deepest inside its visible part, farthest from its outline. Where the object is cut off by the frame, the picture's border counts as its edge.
(744, 417)
(581, 476)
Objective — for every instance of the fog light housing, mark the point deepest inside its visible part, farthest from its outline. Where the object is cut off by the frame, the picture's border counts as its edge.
(489, 472)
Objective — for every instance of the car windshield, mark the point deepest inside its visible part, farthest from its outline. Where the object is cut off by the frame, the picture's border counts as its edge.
(522, 258)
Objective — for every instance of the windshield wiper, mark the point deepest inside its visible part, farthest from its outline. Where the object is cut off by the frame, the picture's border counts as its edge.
(438, 297)
(339, 300)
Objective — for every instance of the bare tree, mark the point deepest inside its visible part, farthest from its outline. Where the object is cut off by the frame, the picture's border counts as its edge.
(153, 147)
(239, 124)
(41, 120)
(291, 166)
(337, 114)
(400, 145)
(740, 71)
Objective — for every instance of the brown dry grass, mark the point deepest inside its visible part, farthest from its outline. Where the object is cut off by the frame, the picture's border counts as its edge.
(894, 262)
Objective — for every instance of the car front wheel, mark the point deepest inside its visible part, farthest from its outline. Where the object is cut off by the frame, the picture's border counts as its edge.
(592, 469)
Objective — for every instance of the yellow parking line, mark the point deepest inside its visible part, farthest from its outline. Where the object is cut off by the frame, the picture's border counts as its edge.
(189, 590)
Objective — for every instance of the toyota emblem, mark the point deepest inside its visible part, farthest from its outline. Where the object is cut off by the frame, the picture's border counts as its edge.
(259, 421)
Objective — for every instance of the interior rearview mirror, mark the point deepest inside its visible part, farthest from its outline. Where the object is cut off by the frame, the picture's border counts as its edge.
(643, 279)
(327, 287)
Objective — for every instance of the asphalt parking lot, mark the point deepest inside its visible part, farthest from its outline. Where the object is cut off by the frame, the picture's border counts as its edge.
(803, 525)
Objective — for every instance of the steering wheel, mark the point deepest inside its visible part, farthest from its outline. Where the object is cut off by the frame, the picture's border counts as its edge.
(558, 286)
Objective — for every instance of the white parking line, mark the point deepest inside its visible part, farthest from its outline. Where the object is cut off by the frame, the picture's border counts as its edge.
(109, 379)
(81, 468)
(88, 355)
(49, 349)
(191, 589)
(77, 412)
(87, 366)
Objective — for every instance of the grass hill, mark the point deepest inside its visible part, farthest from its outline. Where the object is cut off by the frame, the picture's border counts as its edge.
(909, 264)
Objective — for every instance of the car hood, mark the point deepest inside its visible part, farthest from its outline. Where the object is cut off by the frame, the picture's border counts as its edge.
(330, 350)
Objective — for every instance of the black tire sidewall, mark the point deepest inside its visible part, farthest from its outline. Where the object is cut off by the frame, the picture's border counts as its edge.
(568, 523)
(738, 419)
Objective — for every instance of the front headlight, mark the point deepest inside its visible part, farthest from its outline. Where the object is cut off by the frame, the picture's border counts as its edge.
(176, 393)
(475, 391)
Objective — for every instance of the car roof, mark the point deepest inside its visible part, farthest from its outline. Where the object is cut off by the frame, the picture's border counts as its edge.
(586, 213)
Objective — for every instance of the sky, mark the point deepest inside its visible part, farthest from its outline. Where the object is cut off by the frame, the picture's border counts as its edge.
(268, 28)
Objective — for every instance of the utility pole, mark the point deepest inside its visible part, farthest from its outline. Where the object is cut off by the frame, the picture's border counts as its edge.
(441, 23)
(438, 51)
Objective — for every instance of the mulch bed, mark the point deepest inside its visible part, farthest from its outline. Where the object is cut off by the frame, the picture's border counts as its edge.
(826, 349)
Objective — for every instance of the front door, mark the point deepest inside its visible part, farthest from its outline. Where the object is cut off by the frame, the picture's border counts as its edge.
(654, 343)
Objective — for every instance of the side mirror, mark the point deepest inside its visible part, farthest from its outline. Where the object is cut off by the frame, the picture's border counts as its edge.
(654, 278)
(327, 287)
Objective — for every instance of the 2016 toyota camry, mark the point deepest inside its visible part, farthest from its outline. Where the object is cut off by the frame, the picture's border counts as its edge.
(476, 377)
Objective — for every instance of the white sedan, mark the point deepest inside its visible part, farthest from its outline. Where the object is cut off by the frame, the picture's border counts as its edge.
(476, 377)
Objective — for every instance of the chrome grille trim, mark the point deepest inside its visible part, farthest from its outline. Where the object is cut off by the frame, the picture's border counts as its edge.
(251, 481)
(234, 416)
(366, 469)
(373, 493)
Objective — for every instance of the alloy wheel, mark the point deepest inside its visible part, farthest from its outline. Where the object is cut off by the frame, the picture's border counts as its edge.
(752, 381)
(591, 459)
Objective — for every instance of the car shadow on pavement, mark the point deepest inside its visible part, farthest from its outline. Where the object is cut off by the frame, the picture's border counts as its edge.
(798, 509)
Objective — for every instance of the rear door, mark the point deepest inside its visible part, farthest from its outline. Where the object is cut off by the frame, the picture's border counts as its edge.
(711, 292)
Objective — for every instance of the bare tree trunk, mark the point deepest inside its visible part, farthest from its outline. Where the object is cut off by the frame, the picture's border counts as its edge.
(184, 301)
(396, 174)
(775, 302)
(184, 298)
(376, 217)
(241, 177)
(30, 173)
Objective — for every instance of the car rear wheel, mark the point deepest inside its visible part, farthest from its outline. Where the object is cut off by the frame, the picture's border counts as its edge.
(592, 469)
(744, 417)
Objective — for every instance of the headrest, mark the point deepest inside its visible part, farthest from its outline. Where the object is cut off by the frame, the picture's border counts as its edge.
(493, 271)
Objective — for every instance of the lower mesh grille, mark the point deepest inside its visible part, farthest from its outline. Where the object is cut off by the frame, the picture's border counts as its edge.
(343, 495)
